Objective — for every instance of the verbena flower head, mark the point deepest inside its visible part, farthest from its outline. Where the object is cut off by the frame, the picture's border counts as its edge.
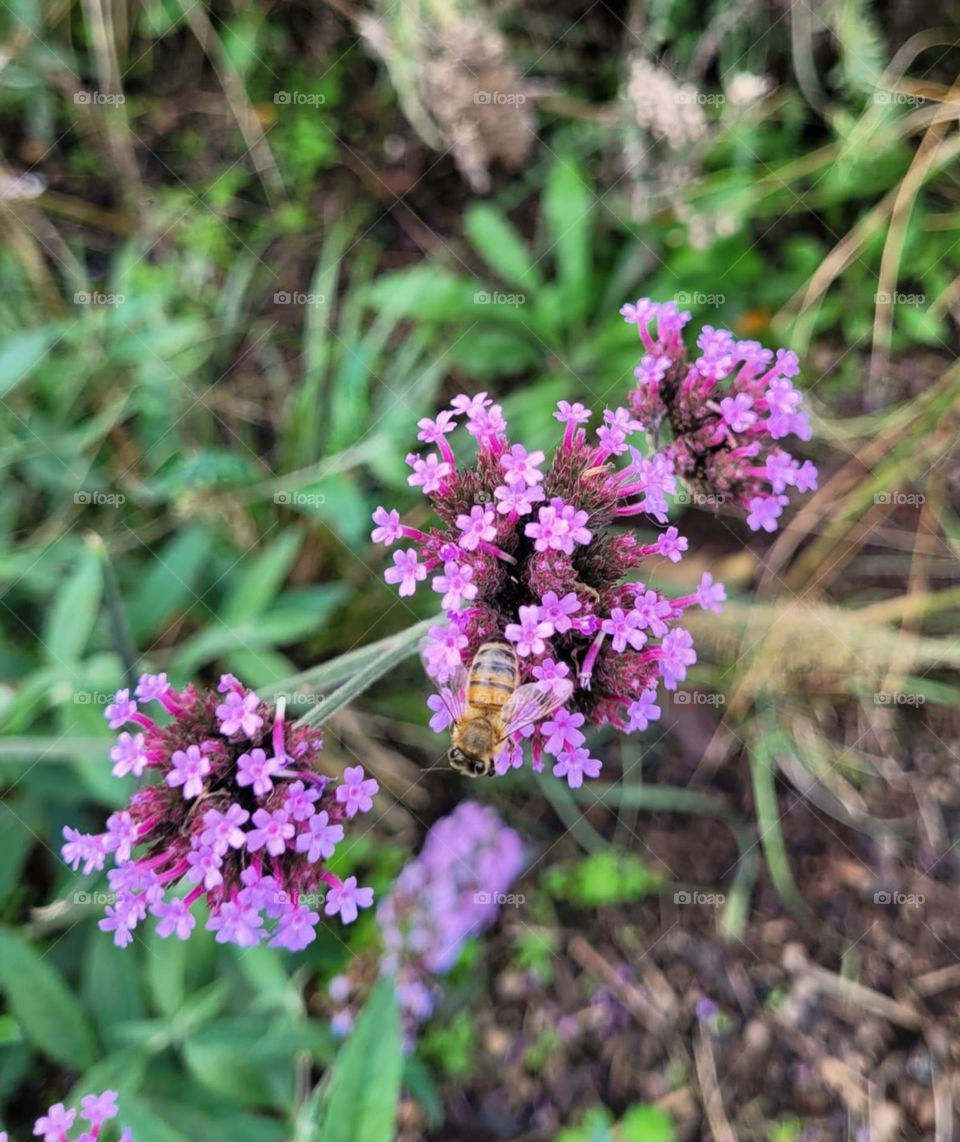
(451, 891)
(237, 813)
(540, 550)
(59, 1124)
(727, 410)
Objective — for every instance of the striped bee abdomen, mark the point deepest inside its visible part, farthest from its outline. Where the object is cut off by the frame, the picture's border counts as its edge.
(493, 675)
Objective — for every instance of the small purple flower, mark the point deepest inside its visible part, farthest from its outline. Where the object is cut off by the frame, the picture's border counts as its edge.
(574, 764)
(737, 412)
(529, 633)
(671, 544)
(428, 474)
(256, 769)
(455, 584)
(477, 527)
(300, 801)
(237, 713)
(624, 628)
(388, 528)
(322, 838)
(55, 1123)
(346, 899)
(562, 731)
(406, 571)
(764, 512)
(556, 612)
(121, 710)
(97, 1108)
(643, 711)
(204, 867)
(710, 595)
(152, 687)
(129, 755)
(434, 431)
(517, 498)
(550, 531)
(82, 847)
(190, 766)
(520, 466)
(356, 793)
(441, 718)
(676, 654)
(175, 919)
(270, 831)
(223, 830)
(121, 836)
(296, 929)
(571, 413)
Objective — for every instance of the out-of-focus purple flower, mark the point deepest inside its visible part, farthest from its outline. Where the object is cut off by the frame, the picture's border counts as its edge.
(726, 409)
(453, 890)
(235, 810)
(95, 1109)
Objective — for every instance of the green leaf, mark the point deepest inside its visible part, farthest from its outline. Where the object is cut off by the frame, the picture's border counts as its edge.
(260, 580)
(50, 1016)
(169, 586)
(361, 1100)
(646, 1124)
(21, 354)
(16, 840)
(567, 206)
(74, 612)
(501, 247)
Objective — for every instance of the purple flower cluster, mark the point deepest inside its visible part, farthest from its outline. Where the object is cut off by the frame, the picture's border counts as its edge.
(530, 550)
(95, 1110)
(453, 890)
(237, 814)
(726, 410)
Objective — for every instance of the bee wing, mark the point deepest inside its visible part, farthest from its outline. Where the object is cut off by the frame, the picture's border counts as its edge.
(454, 694)
(532, 702)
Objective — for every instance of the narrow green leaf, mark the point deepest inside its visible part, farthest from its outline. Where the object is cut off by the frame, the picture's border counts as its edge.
(169, 584)
(260, 580)
(403, 645)
(501, 247)
(74, 611)
(361, 1101)
(50, 1016)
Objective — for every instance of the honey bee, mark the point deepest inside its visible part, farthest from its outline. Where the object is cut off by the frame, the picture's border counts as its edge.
(487, 706)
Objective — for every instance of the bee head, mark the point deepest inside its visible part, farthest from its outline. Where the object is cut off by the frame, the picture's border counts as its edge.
(469, 766)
